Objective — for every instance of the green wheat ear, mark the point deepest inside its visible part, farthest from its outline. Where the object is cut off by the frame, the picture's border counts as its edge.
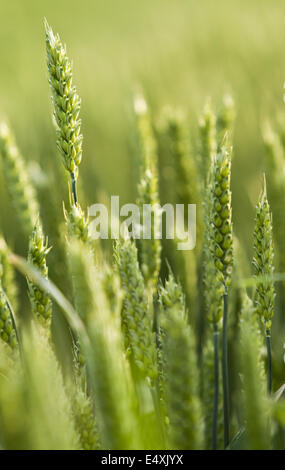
(222, 213)
(137, 322)
(7, 277)
(66, 103)
(17, 179)
(181, 373)
(263, 261)
(40, 300)
(149, 249)
(7, 329)
(85, 425)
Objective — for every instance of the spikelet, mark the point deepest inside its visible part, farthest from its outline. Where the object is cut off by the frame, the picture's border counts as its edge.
(208, 383)
(214, 288)
(40, 300)
(222, 213)
(107, 368)
(181, 374)
(77, 224)
(7, 277)
(256, 406)
(66, 103)
(19, 186)
(263, 261)
(149, 249)
(207, 127)
(136, 320)
(7, 330)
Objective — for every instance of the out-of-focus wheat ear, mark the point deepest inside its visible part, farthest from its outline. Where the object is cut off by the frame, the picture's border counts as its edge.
(137, 322)
(21, 191)
(255, 404)
(169, 296)
(8, 331)
(113, 290)
(208, 142)
(275, 175)
(85, 424)
(66, 105)
(108, 370)
(40, 301)
(149, 249)
(181, 374)
(225, 120)
(7, 275)
(263, 264)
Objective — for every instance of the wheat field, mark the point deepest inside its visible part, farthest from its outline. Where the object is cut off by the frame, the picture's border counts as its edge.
(131, 343)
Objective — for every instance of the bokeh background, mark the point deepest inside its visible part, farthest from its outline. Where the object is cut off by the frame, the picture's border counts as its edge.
(179, 52)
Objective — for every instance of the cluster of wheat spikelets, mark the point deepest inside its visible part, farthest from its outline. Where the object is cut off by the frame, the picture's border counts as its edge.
(147, 352)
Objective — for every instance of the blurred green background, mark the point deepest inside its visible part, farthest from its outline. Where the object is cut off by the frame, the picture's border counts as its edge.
(178, 51)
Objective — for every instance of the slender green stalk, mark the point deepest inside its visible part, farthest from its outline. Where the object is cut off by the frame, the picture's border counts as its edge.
(225, 366)
(216, 389)
(269, 356)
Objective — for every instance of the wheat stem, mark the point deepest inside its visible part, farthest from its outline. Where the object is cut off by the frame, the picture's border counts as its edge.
(225, 367)
(216, 388)
(269, 359)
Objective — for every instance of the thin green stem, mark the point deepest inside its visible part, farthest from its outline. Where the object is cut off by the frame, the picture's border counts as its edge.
(74, 188)
(269, 359)
(225, 367)
(216, 388)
